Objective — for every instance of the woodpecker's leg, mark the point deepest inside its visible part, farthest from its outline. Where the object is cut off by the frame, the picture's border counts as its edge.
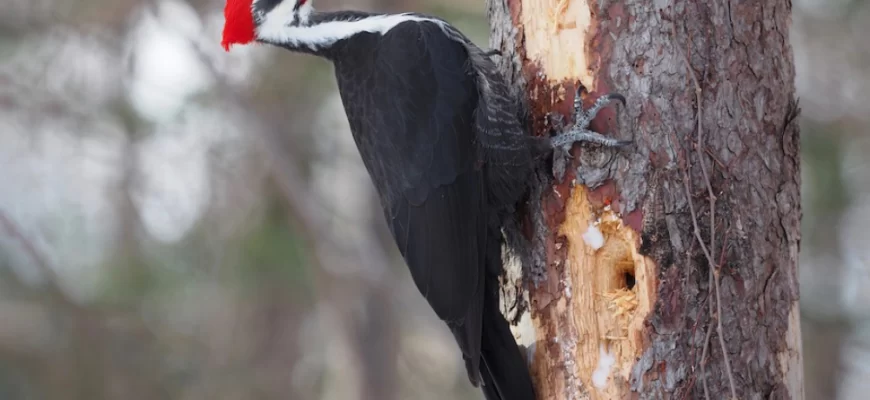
(580, 131)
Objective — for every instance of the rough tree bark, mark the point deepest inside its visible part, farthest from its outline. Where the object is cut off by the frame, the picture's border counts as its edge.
(711, 184)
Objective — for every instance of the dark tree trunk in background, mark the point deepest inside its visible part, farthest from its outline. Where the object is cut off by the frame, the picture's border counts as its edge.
(638, 317)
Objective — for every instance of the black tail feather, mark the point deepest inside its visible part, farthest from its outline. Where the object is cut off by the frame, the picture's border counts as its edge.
(503, 370)
(492, 357)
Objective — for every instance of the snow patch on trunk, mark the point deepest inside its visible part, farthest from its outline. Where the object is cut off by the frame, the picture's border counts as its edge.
(605, 363)
(593, 237)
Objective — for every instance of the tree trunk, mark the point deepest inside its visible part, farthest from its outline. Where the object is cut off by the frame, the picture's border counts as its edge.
(700, 217)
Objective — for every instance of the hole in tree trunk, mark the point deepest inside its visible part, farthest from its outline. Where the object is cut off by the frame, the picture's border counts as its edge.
(629, 280)
(622, 276)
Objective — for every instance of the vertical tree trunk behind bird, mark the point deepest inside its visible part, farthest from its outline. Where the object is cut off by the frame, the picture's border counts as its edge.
(700, 218)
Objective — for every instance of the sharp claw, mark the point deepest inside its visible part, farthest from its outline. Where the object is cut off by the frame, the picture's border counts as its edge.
(494, 52)
(617, 96)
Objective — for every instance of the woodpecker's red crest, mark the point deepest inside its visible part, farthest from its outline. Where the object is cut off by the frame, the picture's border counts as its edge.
(245, 18)
(239, 23)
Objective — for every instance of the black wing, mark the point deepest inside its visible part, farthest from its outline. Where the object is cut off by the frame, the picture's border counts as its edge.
(410, 98)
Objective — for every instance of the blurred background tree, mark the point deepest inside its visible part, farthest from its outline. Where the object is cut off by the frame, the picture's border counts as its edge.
(180, 222)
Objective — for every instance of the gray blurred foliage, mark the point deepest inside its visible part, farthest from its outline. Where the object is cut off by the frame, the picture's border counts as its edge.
(177, 222)
(833, 76)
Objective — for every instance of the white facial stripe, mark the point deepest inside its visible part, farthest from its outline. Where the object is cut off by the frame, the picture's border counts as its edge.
(275, 27)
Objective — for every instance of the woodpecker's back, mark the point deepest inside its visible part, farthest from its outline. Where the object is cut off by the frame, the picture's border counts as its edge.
(412, 99)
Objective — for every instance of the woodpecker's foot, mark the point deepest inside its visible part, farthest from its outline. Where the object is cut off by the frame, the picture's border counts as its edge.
(566, 136)
(580, 132)
(566, 139)
(493, 52)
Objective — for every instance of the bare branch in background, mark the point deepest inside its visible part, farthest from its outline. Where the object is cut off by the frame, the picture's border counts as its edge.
(49, 276)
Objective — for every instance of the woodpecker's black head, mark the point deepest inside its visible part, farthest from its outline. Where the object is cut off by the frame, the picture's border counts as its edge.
(249, 20)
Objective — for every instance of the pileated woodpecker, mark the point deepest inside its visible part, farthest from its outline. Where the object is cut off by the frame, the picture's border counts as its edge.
(442, 140)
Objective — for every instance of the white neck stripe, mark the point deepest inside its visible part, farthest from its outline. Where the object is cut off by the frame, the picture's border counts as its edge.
(275, 28)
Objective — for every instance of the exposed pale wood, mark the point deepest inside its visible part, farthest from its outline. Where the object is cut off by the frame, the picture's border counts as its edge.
(555, 32)
(791, 358)
(598, 329)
